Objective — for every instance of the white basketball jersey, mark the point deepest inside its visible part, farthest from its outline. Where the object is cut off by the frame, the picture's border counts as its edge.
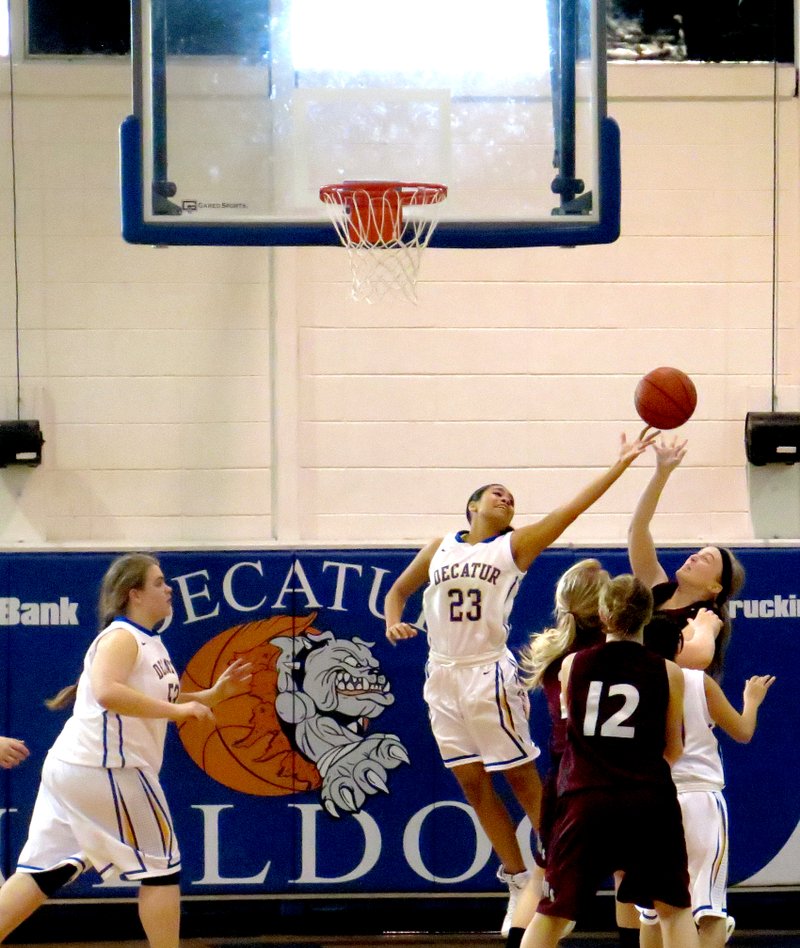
(471, 589)
(96, 737)
(700, 765)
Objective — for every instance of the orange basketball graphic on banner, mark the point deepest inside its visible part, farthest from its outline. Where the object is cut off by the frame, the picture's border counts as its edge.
(246, 748)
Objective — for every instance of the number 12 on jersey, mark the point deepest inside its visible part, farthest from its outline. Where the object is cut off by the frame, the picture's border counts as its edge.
(614, 726)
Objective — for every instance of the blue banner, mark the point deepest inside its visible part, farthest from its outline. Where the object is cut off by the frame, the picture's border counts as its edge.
(324, 777)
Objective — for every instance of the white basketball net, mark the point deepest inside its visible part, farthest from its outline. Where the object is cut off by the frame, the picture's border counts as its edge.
(385, 234)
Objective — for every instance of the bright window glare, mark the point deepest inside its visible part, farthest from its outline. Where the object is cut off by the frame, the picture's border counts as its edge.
(449, 37)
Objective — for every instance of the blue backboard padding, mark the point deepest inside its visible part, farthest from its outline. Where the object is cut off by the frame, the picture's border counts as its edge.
(566, 230)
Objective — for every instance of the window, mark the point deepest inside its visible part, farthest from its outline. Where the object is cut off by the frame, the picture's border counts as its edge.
(701, 30)
(704, 30)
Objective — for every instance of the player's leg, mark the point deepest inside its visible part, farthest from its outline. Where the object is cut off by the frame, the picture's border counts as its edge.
(525, 908)
(678, 929)
(705, 822)
(627, 918)
(478, 789)
(51, 843)
(649, 930)
(20, 896)
(160, 913)
(527, 788)
(526, 785)
(545, 931)
(712, 931)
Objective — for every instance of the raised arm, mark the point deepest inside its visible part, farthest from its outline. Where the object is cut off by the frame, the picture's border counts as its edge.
(673, 747)
(406, 584)
(641, 549)
(740, 727)
(529, 541)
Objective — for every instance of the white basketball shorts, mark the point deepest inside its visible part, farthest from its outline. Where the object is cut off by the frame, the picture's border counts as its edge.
(705, 825)
(480, 713)
(115, 820)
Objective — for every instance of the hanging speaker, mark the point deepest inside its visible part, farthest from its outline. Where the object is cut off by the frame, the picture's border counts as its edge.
(20, 443)
(772, 437)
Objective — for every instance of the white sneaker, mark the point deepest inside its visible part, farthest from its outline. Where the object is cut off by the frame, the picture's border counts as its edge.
(730, 927)
(516, 882)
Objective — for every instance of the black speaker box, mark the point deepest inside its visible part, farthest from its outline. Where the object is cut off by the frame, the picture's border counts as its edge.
(772, 437)
(20, 443)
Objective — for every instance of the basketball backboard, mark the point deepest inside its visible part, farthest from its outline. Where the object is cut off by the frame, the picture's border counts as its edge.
(235, 131)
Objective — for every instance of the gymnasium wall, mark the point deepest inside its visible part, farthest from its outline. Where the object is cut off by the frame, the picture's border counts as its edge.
(231, 396)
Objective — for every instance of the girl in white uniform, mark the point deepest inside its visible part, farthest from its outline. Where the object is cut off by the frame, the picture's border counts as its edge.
(100, 803)
(699, 778)
(478, 707)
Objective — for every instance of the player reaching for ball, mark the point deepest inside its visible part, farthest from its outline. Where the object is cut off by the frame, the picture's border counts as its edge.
(477, 704)
(107, 758)
(701, 587)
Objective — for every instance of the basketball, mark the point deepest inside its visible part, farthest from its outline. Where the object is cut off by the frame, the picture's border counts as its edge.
(665, 398)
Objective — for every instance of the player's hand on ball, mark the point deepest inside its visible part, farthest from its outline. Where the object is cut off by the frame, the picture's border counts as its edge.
(629, 451)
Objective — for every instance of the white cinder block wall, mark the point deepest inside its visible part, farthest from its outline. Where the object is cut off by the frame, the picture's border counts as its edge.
(237, 396)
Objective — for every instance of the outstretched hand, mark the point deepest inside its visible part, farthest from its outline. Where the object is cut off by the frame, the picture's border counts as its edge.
(756, 688)
(669, 453)
(628, 452)
(235, 680)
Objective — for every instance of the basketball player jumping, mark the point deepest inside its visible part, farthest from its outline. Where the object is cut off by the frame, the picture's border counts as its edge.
(478, 707)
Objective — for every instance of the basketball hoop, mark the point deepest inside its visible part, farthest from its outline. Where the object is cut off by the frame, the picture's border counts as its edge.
(384, 244)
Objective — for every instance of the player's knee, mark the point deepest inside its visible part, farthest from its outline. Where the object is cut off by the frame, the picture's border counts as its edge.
(50, 880)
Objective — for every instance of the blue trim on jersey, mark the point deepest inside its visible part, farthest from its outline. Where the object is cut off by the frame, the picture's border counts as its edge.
(120, 750)
(461, 534)
(136, 625)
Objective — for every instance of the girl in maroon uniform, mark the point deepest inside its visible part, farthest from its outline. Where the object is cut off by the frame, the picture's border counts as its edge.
(624, 713)
(577, 626)
(695, 600)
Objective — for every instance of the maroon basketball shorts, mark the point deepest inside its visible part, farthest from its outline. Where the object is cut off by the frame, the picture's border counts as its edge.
(598, 832)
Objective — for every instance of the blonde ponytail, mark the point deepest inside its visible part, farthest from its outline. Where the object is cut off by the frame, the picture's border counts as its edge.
(577, 605)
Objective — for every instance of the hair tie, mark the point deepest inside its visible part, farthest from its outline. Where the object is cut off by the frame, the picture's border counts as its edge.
(725, 576)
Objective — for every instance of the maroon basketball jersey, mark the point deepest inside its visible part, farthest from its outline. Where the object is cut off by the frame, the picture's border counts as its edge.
(617, 701)
(585, 637)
